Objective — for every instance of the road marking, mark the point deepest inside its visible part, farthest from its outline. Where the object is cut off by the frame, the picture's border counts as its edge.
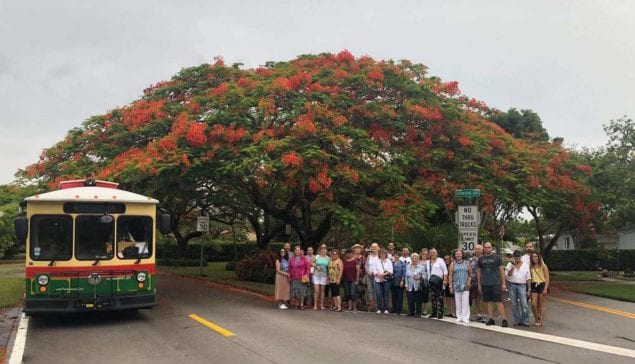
(20, 341)
(211, 325)
(616, 350)
(595, 307)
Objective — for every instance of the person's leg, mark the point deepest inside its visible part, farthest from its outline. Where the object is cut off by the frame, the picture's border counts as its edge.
(440, 305)
(514, 296)
(410, 298)
(370, 290)
(386, 290)
(542, 304)
(465, 302)
(399, 293)
(322, 294)
(524, 308)
(419, 303)
(316, 289)
(458, 304)
(534, 307)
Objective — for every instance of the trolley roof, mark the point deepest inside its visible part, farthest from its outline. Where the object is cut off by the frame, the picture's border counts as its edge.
(92, 194)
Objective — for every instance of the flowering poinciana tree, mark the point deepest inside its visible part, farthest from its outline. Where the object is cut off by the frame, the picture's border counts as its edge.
(309, 142)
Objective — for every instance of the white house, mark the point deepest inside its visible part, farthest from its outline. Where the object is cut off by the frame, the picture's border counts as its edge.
(626, 239)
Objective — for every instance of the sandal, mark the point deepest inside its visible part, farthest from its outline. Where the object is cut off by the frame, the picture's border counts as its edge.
(339, 309)
(302, 308)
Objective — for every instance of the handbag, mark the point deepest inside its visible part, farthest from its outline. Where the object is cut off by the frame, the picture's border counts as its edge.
(436, 281)
(304, 279)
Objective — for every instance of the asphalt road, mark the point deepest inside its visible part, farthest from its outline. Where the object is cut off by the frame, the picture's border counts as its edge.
(263, 334)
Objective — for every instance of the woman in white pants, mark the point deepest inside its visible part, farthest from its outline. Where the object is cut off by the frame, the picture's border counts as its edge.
(460, 277)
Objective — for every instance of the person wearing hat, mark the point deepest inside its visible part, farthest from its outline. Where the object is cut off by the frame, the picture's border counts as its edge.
(519, 282)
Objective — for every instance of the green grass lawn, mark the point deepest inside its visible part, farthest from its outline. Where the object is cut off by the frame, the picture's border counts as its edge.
(10, 291)
(574, 276)
(216, 272)
(616, 291)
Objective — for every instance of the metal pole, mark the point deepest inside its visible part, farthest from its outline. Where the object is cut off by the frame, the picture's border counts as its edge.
(201, 268)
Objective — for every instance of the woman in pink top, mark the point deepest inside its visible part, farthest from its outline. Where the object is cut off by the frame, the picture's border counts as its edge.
(299, 267)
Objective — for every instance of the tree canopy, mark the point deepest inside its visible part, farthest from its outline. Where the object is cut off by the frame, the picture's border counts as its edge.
(316, 141)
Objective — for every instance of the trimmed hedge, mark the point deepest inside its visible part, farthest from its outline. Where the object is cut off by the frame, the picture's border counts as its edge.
(591, 260)
(181, 262)
(211, 252)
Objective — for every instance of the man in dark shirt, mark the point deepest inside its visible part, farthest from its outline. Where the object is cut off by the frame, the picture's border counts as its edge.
(490, 279)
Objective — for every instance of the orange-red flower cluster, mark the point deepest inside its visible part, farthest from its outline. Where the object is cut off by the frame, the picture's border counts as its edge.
(141, 112)
(291, 159)
(196, 135)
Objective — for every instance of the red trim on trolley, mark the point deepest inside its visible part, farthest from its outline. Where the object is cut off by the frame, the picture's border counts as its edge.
(31, 272)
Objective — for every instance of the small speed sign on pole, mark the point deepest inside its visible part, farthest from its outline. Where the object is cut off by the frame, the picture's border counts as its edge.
(202, 224)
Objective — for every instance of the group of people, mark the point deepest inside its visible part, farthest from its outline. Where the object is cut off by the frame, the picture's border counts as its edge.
(316, 280)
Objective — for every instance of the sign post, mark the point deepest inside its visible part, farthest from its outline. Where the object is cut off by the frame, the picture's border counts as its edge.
(202, 225)
(468, 218)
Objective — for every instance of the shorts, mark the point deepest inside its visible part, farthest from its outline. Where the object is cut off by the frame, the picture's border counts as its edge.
(537, 287)
(350, 291)
(321, 280)
(474, 295)
(491, 293)
(335, 289)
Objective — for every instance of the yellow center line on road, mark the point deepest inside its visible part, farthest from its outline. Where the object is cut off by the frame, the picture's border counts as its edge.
(211, 325)
(596, 307)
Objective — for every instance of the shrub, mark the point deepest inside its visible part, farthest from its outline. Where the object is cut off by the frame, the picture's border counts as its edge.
(230, 266)
(590, 259)
(214, 251)
(181, 262)
(259, 267)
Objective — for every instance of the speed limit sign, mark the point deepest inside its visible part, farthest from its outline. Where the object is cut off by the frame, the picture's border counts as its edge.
(202, 224)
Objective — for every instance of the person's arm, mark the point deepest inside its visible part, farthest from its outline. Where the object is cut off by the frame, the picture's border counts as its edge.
(502, 274)
(469, 275)
(444, 269)
(278, 267)
(451, 277)
(340, 264)
(307, 266)
(509, 270)
(545, 271)
(478, 276)
(358, 271)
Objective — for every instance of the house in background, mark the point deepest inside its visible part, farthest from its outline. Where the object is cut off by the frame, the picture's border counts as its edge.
(565, 242)
(626, 239)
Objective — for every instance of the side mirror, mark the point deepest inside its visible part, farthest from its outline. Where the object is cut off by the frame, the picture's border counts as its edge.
(165, 224)
(21, 225)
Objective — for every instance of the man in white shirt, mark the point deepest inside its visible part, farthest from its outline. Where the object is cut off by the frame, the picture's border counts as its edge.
(405, 255)
(519, 279)
(529, 248)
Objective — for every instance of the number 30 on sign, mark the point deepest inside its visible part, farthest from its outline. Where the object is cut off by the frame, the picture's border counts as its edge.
(469, 239)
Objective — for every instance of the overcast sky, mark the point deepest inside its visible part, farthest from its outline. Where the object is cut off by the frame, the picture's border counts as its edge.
(573, 62)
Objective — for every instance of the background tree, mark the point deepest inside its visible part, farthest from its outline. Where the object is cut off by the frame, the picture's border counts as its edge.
(320, 141)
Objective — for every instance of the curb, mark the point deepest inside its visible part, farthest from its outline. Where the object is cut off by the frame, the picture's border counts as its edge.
(224, 286)
(8, 350)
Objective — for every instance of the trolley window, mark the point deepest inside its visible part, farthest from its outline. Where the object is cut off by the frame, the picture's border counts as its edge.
(93, 237)
(134, 237)
(51, 237)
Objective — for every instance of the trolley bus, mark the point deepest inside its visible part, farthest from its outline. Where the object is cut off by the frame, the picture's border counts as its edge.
(89, 246)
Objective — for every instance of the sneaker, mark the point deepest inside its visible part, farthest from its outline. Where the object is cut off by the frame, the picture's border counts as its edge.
(378, 312)
(491, 322)
(466, 323)
(524, 325)
(386, 312)
(504, 324)
(458, 320)
(283, 306)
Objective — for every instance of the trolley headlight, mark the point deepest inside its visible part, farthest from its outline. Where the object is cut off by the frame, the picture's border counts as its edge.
(141, 277)
(94, 279)
(43, 280)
